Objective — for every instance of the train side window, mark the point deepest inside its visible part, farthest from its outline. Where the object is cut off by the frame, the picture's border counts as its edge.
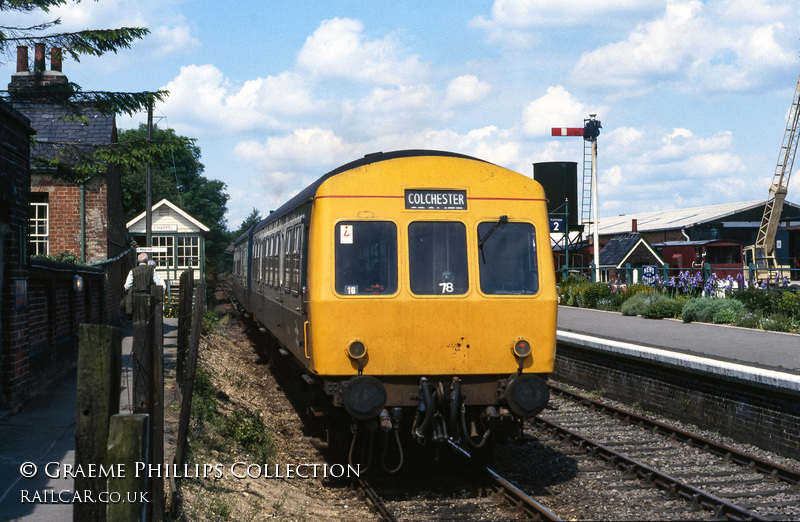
(437, 258)
(267, 246)
(287, 264)
(270, 247)
(366, 258)
(507, 259)
(278, 239)
(297, 241)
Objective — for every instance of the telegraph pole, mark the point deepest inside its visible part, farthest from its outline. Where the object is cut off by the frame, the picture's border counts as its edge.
(149, 199)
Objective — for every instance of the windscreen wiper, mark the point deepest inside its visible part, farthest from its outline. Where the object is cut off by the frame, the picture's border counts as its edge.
(481, 241)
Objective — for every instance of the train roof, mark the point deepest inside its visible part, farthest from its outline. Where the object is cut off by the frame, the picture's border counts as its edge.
(307, 194)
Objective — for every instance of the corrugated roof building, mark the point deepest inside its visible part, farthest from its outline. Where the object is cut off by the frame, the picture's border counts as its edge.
(729, 221)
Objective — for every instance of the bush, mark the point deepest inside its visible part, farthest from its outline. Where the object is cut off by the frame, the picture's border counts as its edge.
(725, 316)
(662, 307)
(758, 300)
(748, 320)
(789, 305)
(779, 323)
(636, 289)
(636, 304)
(204, 398)
(590, 294)
(703, 309)
(247, 429)
(209, 323)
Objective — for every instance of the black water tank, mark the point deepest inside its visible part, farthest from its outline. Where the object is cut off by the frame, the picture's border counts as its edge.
(560, 181)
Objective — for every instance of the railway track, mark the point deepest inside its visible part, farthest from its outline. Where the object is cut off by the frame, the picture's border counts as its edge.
(663, 472)
(455, 490)
(619, 465)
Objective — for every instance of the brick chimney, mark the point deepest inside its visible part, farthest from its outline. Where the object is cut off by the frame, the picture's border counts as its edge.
(25, 80)
(634, 225)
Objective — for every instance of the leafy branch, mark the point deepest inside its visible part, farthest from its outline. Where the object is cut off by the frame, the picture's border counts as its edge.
(78, 163)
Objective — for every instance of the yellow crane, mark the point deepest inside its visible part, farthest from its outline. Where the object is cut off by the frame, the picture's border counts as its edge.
(762, 253)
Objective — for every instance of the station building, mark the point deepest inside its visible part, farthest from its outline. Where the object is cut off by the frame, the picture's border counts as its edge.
(714, 234)
(178, 242)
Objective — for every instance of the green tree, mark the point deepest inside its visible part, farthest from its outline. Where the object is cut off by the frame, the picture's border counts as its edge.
(253, 218)
(177, 176)
(89, 42)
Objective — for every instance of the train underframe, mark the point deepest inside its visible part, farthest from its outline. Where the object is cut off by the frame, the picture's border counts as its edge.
(373, 421)
(387, 414)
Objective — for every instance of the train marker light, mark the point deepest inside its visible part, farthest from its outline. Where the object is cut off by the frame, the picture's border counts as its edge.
(522, 348)
(356, 350)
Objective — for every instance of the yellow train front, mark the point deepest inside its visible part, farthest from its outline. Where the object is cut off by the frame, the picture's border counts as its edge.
(420, 297)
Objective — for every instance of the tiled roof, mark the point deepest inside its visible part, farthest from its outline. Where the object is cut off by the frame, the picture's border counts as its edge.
(616, 249)
(57, 126)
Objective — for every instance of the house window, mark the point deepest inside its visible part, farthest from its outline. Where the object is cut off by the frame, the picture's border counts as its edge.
(188, 252)
(163, 258)
(39, 227)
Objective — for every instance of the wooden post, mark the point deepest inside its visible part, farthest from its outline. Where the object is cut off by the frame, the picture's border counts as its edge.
(128, 450)
(188, 382)
(99, 376)
(148, 388)
(187, 390)
(157, 418)
(184, 318)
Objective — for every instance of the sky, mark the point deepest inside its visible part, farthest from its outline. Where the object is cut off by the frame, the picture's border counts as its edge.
(693, 95)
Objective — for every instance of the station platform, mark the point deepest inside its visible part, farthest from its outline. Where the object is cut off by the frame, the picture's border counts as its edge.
(767, 358)
(43, 433)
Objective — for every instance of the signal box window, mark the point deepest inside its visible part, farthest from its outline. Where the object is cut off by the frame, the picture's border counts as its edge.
(437, 257)
(366, 258)
(507, 258)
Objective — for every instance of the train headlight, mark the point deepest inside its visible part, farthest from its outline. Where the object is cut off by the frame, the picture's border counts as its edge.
(364, 397)
(522, 348)
(356, 350)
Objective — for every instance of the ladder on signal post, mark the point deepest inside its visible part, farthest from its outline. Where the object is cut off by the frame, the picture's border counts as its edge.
(586, 184)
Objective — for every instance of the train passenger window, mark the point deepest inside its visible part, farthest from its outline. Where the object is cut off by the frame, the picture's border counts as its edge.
(366, 258)
(276, 261)
(297, 242)
(287, 265)
(437, 258)
(507, 258)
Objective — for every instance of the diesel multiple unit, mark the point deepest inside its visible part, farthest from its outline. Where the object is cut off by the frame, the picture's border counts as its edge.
(415, 292)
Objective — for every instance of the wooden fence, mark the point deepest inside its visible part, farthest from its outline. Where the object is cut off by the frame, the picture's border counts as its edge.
(132, 442)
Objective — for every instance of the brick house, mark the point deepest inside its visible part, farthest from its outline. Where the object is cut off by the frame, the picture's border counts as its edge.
(44, 301)
(84, 218)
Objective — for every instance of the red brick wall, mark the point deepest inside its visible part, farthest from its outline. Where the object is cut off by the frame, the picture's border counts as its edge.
(14, 179)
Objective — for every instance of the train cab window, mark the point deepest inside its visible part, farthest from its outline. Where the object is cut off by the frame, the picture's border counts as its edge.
(507, 258)
(366, 258)
(437, 258)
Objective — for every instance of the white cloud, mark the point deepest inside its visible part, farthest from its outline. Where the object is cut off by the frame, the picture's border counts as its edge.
(339, 49)
(513, 22)
(693, 48)
(557, 108)
(201, 97)
(529, 13)
(172, 39)
(466, 90)
(302, 148)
